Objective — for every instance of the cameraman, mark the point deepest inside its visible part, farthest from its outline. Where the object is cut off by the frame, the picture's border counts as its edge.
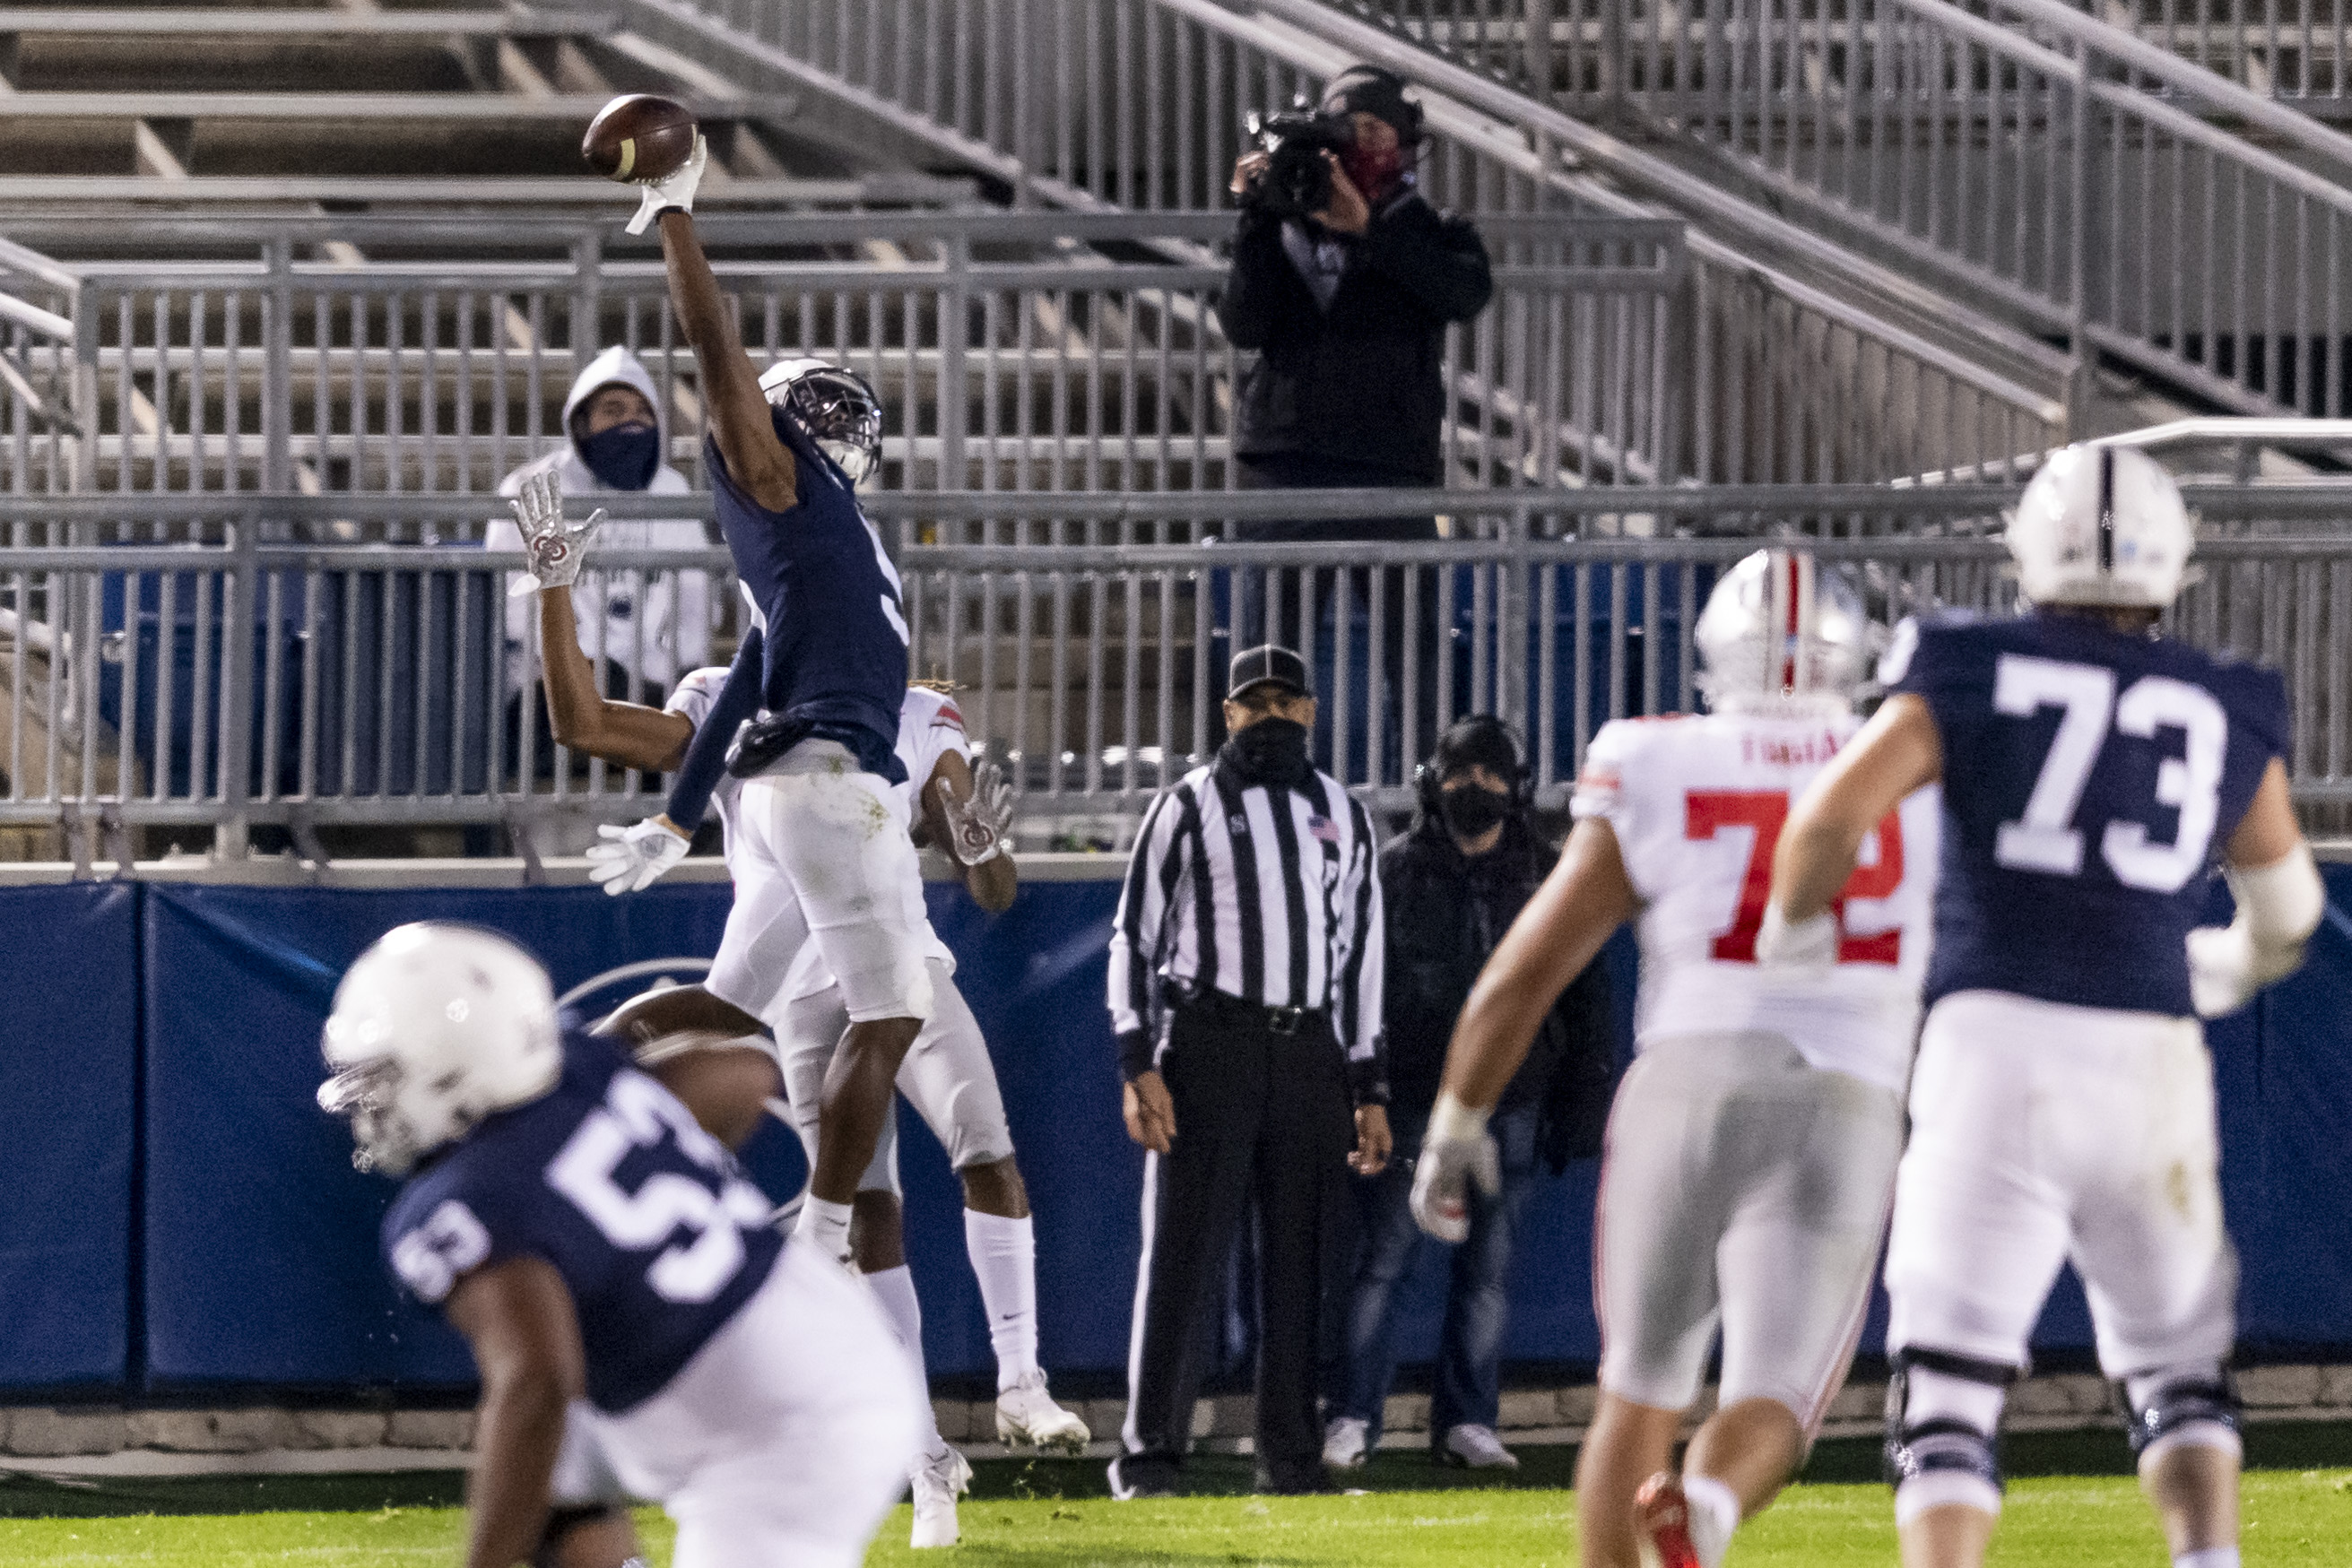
(1348, 308)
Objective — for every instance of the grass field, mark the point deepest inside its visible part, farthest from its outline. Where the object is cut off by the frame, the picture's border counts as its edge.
(2061, 1514)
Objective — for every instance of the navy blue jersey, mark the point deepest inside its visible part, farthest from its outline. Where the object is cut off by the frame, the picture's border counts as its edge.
(2091, 780)
(656, 1233)
(827, 600)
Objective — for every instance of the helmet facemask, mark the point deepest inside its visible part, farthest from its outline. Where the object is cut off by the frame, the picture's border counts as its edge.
(836, 409)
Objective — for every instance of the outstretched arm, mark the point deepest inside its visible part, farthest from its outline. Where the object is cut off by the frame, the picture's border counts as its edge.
(582, 717)
(760, 464)
(518, 1316)
(705, 756)
(1896, 752)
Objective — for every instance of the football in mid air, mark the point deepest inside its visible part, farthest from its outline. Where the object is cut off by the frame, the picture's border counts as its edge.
(638, 136)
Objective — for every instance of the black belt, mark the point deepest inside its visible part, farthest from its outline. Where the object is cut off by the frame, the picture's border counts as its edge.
(1215, 1003)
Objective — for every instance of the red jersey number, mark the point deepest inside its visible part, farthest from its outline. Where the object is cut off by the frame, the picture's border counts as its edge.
(1709, 811)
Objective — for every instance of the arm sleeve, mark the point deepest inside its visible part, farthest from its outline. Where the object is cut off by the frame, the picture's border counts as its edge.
(1363, 980)
(706, 755)
(1153, 872)
(1440, 261)
(1262, 289)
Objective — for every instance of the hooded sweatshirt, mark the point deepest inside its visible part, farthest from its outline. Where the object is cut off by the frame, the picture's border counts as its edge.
(670, 610)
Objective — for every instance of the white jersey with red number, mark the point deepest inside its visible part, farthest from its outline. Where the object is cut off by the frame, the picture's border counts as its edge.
(1697, 805)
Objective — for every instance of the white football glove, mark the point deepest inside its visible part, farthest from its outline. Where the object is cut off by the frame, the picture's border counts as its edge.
(1455, 1151)
(674, 190)
(2221, 974)
(1807, 944)
(632, 859)
(980, 829)
(555, 547)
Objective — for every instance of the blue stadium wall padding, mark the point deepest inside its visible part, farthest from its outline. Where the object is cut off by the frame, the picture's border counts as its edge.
(68, 1087)
(261, 1258)
(260, 1266)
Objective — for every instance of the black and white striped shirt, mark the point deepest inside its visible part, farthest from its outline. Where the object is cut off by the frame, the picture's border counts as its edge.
(1273, 897)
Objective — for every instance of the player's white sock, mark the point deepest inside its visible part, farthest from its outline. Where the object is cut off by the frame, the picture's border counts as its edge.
(1714, 1515)
(1005, 1257)
(2211, 1557)
(825, 1225)
(896, 1289)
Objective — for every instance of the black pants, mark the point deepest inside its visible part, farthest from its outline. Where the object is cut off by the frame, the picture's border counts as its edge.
(1261, 1123)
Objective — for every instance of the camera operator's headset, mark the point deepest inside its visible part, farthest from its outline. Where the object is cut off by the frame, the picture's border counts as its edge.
(1387, 86)
(1427, 779)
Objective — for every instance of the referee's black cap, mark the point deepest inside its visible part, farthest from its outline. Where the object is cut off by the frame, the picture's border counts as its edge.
(1255, 666)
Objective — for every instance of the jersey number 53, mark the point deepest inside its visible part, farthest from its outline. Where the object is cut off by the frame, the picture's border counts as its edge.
(1706, 812)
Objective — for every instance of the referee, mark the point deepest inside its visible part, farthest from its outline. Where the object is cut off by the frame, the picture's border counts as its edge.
(1245, 969)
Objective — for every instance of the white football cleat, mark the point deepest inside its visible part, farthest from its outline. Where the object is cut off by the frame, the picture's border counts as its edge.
(1026, 1417)
(939, 1479)
(1476, 1448)
(1344, 1445)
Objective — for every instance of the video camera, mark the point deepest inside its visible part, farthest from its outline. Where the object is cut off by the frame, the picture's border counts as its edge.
(1297, 182)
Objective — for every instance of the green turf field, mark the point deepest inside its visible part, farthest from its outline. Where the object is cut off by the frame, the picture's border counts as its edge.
(2298, 1506)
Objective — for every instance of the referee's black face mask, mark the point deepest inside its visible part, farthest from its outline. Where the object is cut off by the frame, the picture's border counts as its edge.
(1270, 752)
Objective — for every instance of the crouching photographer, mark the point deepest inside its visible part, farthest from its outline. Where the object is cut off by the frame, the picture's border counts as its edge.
(1344, 279)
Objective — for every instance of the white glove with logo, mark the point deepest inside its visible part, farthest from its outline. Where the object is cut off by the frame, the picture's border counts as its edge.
(980, 829)
(555, 547)
(673, 189)
(633, 858)
(1807, 944)
(1455, 1151)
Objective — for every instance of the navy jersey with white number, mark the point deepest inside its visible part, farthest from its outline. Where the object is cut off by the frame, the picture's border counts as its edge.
(655, 1232)
(2091, 780)
(827, 600)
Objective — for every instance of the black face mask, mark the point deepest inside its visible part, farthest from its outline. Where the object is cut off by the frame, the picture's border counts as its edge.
(1272, 752)
(1472, 811)
(625, 457)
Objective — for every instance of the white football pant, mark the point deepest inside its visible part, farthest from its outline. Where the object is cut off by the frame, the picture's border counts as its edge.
(785, 1440)
(824, 856)
(1743, 1188)
(947, 1077)
(2042, 1133)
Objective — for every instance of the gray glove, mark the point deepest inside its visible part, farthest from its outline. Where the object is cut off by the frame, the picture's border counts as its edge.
(555, 547)
(632, 859)
(1455, 1151)
(980, 829)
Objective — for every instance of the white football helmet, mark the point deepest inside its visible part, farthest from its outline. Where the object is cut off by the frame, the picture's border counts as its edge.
(434, 1028)
(836, 406)
(2102, 525)
(1780, 632)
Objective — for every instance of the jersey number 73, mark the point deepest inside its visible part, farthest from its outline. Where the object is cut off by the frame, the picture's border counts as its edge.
(1706, 812)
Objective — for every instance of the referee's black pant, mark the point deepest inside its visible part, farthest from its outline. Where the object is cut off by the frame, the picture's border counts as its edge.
(1262, 1119)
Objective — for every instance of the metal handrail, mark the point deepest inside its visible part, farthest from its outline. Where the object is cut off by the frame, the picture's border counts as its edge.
(1707, 203)
(48, 323)
(2234, 99)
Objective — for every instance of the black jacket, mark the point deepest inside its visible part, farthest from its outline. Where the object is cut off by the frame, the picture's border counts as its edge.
(1361, 382)
(1445, 914)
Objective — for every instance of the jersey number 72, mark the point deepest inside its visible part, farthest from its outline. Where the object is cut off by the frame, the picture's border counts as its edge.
(1708, 812)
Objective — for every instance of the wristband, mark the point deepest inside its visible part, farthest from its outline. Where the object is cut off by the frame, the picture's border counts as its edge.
(1451, 1121)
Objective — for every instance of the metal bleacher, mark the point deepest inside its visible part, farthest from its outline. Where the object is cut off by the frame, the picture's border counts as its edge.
(283, 293)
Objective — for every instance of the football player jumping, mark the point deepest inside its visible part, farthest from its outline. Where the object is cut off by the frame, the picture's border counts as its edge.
(948, 1075)
(601, 1251)
(1751, 1149)
(2063, 1102)
(823, 853)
